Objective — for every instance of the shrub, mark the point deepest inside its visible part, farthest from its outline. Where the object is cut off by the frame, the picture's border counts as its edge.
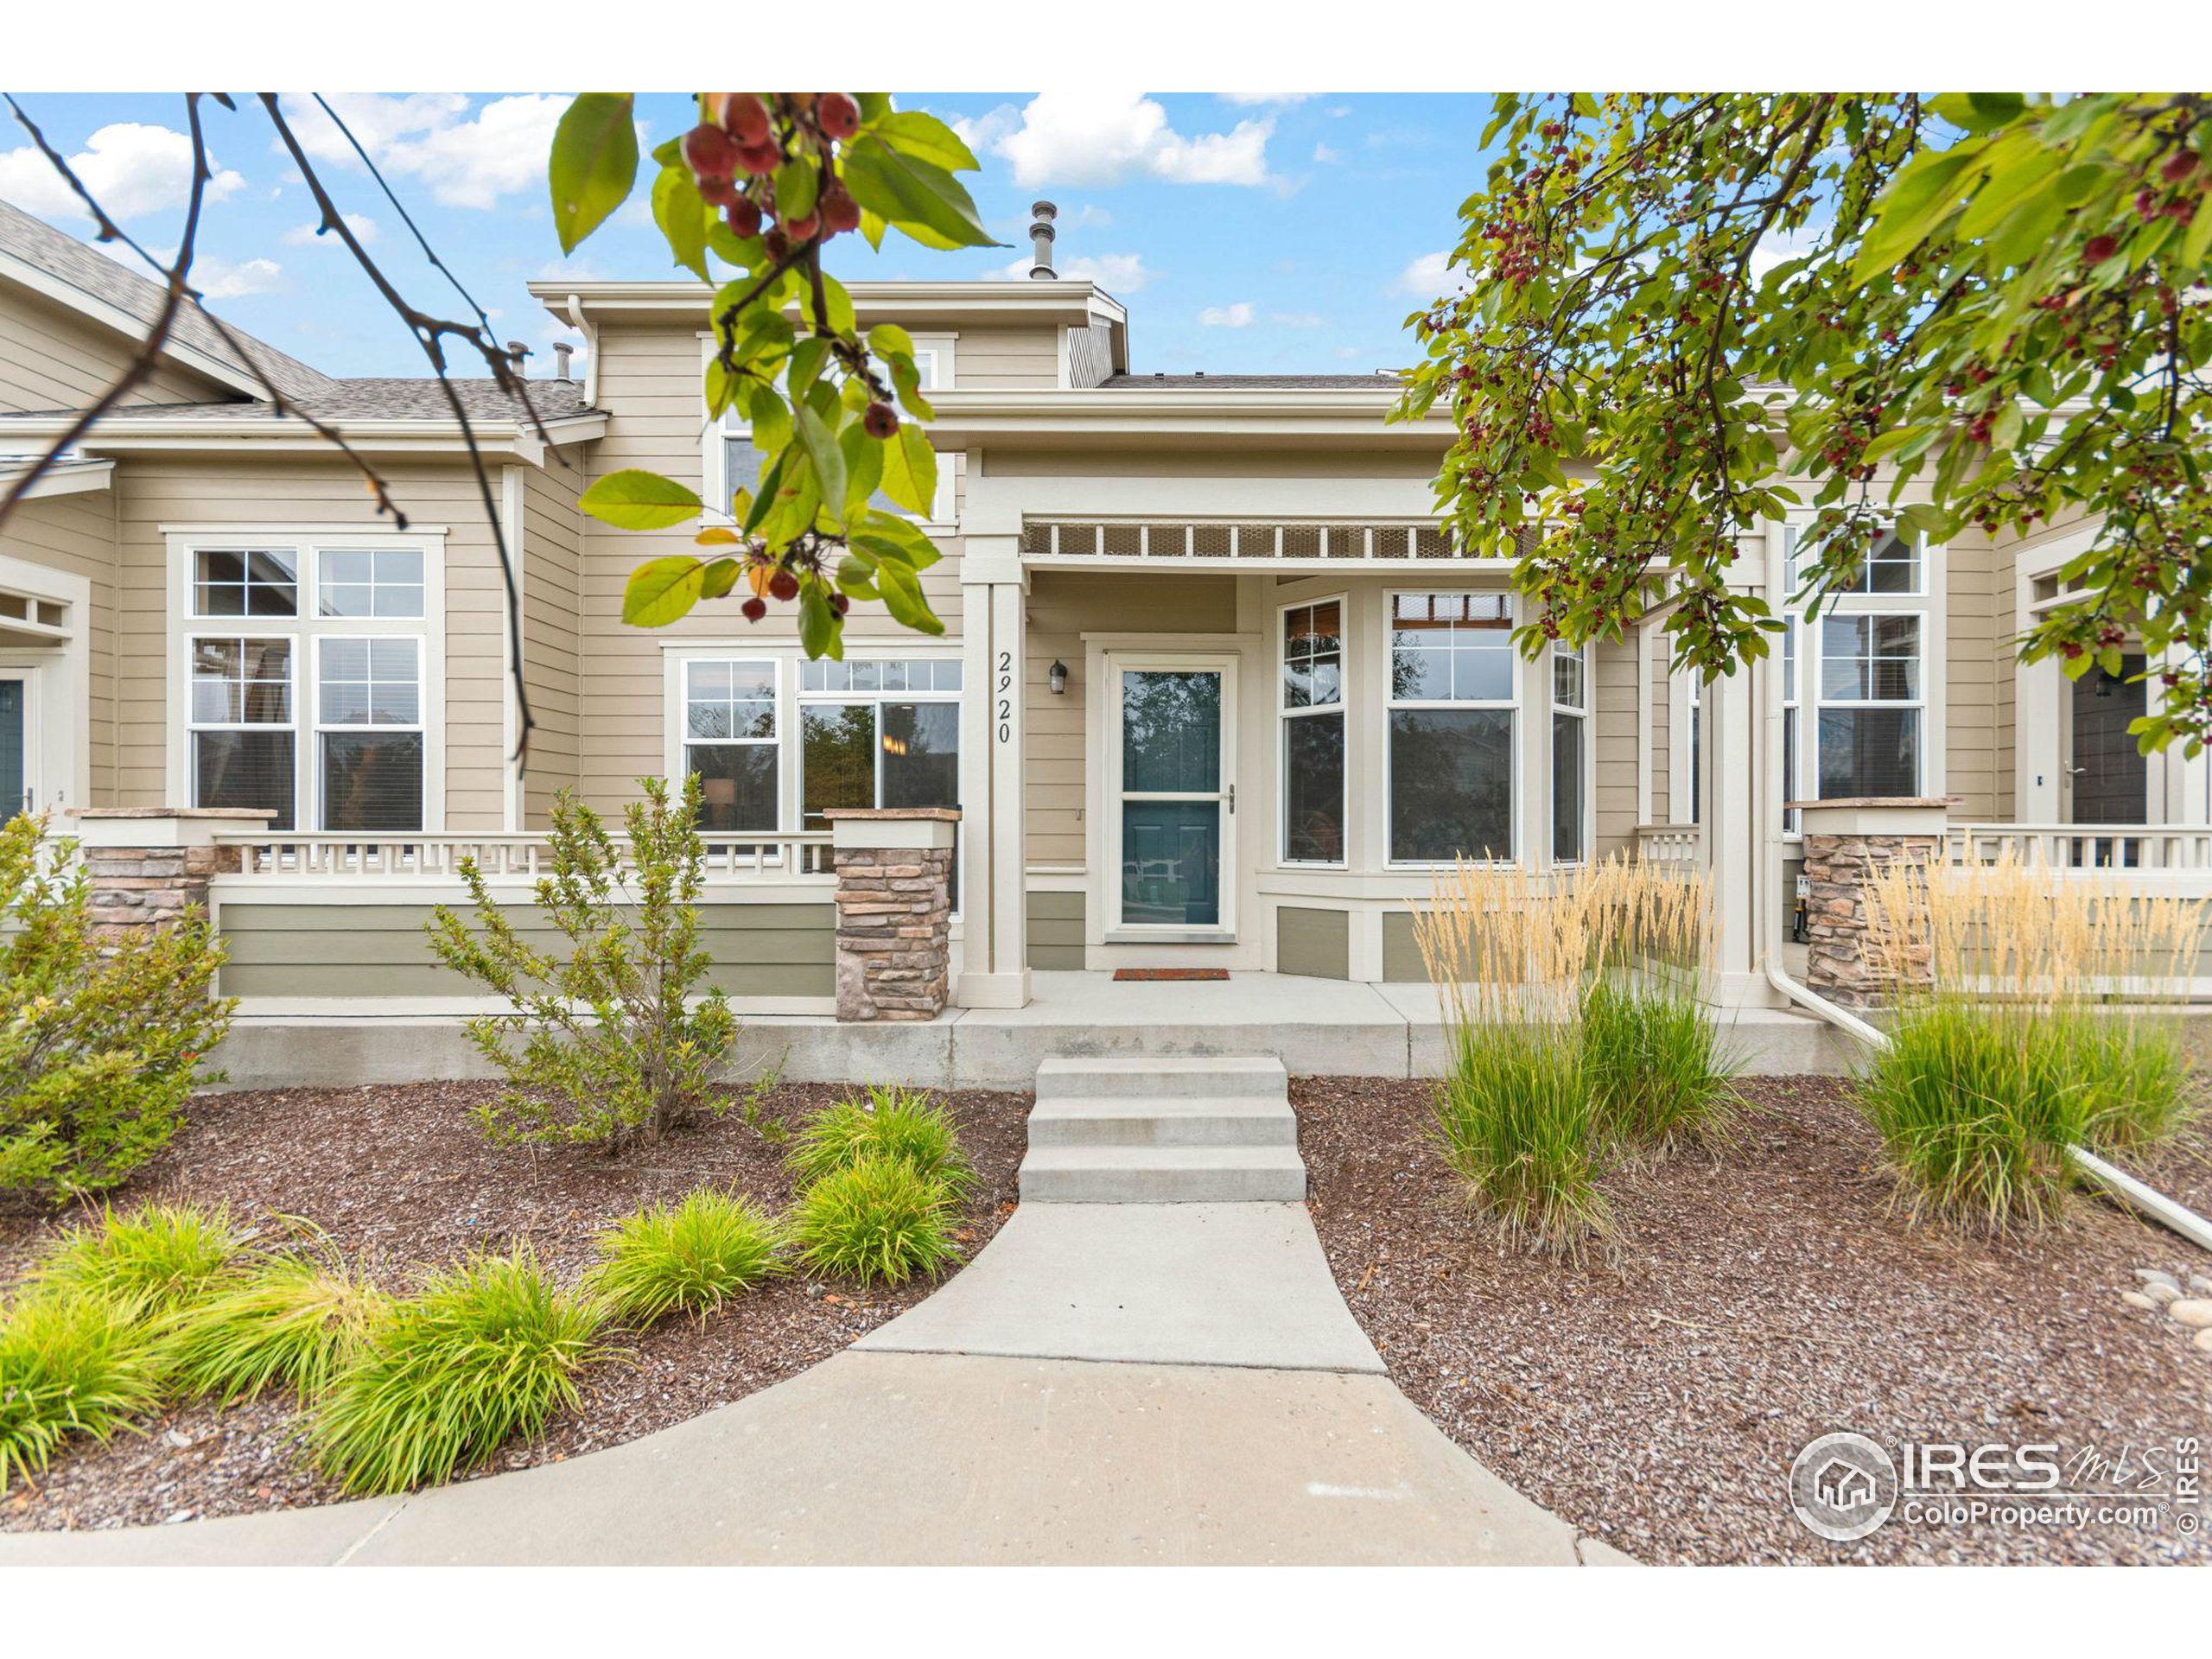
(101, 1040)
(2136, 1073)
(891, 1122)
(877, 1217)
(290, 1320)
(69, 1364)
(485, 1351)
(1653, 1064)
(150, 1264)
(603, 1048)
(1517, 1121)
(695, 1256)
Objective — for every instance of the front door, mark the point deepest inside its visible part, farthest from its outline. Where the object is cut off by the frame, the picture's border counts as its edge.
(18, 789)
(1173, 798)
(2109, 777)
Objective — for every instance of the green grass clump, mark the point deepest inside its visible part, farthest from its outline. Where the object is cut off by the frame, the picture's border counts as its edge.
(891, 1122)
(289, 1320)
(2136, 1073)
(878, 1218)
(485, 1351)
(1518, 1122)
(149, 1263)
(695, 1256)
(1655, 1068)
(69, 1365)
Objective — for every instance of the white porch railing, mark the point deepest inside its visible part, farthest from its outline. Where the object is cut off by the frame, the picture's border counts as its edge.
(2103, 848)
(1666, 844)
(788, 856)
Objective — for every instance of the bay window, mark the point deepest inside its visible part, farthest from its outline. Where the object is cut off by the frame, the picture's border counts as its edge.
(1312, 718)
(730, 740)
(1870, 705)
(242, 735)
(1453, 697)
(877, 733)
(1570, 753)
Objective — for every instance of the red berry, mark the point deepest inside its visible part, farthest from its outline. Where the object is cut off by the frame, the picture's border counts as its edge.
(2178, 166)
(744, 115)
(754, 609)
(840, 604)
(709, 152)
(761, 159)
(803, 228)
(717, 192)
(840, 212)
(880, 421)
(744, 217)
(777, 245)
(784, 585)
(2098, 249)
(838, 115)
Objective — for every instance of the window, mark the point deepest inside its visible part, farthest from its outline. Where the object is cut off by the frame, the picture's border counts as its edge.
(1791, 702)
(240, 718)
(1869, 718)
(1892, 567)
(308, 693)
(1453, 671)
(1312, 708)
(733, 464)
(877, 733)
(730, 740)
(1570, 751)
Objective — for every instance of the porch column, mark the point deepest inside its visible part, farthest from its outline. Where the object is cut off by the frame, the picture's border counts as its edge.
(150, 864)
(993, 860)
(1848, 846)
(895, 870)
(1730, 757)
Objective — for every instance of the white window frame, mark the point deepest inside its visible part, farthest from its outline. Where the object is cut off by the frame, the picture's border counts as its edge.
(1391, 704)
(1821, 703)
(1230, 877)
(714, 464)
(305, 544)
(1586, 831)
(316, 727)
(1285, 714)
(802, 698)
(676, 763)
(1923, 600)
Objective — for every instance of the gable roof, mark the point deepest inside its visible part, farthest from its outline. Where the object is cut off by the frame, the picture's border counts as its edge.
(75, 274)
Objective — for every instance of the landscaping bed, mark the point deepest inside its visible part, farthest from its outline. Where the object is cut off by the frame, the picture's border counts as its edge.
(1655, 1395)
(403, 1180)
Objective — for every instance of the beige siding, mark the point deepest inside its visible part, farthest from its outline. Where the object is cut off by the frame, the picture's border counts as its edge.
(1613, 733)
(76, 534)
(1064, 605)
(53, 358)
(649, 385)
(219, 488)
(1056, 930)
(1402, 963)
(1977, 678)
(1663, 710)
(1313, 943)
(552, 540)
(379, 949)
(1005, 359)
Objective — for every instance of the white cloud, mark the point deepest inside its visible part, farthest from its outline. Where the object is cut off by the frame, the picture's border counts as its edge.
(1238, 315)
(465, 160)
(1075, 138)
(1323, 154)
(1120, 273)
(1297, 319)
(131, 169)
(1430, 276)
(220, 279)
(304, 236)
(1776, 246)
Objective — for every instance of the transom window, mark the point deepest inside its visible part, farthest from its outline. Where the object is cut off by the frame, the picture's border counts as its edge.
(1893, 565)
(361, 583)
(1313, 709)
(1453, 694)
(240, 582)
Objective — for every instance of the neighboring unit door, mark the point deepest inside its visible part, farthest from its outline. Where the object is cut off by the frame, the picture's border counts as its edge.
(1171, 773)
(2109, 777)
(18, 792)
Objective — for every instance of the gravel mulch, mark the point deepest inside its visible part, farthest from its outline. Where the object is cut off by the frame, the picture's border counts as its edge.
(1751, 1303)
(401, 1179)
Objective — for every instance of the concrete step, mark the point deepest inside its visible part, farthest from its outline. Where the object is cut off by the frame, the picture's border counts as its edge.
(1153, 1122)
(1085, 1174)
(1199, 1078)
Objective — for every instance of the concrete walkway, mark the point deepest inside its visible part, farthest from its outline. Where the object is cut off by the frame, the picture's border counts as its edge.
(1107, 1384)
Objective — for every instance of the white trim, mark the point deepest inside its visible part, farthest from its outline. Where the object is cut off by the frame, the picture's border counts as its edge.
(1160, 656)
(1279, 841)
(63, 699)
(510, 527)
(1585, 832)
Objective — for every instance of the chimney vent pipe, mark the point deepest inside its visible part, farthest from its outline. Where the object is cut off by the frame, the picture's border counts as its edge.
(1042, 214)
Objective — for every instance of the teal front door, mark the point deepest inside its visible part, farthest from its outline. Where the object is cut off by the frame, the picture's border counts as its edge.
(1175, 813)
(15, 745)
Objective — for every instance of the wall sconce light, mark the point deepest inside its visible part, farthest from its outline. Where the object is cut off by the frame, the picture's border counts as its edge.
(1056, 677)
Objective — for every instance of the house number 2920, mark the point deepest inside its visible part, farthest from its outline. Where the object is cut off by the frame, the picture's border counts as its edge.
(1004, 692)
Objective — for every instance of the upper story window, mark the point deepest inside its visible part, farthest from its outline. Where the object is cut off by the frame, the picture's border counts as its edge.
(732, 463)
(1312, 718)
(1454, 680)
(361, 582)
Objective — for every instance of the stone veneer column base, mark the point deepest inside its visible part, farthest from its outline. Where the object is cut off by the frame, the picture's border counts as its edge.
(894, 911)
(150, 866)
(1848, 846)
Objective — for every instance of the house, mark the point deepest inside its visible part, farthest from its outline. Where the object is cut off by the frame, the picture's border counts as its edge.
(1215, 690)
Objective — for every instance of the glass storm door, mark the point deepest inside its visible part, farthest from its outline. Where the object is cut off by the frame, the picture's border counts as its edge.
(16, 794)
(1176, 800)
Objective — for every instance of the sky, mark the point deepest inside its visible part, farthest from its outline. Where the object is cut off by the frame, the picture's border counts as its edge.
(1247, 234)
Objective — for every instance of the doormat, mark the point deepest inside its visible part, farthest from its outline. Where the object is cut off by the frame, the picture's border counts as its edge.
(1176, 974)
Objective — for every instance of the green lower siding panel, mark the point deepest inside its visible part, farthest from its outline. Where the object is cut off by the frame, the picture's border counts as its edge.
(1314, 943)
(1055, 930)
(1401, 955)
(369, 950)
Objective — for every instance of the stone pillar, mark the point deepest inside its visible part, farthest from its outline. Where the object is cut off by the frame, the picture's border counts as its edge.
(894, 910)
(1847, 844)
(149, 865)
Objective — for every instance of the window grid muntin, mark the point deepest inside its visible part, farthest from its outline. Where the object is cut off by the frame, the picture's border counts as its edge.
(280, 584)
(1306, 651)
(1486, 613)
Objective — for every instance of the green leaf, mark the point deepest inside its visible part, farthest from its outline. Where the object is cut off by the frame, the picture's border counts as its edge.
(907, 379)
(927, 139)
(661, 590)
(886, 535)
(913, 196)
(720, 576)
(820, 443)
(903, 598)
(2198, 242)
(819, 633)
(682, 215)
(593, 164)
(873, 227)
(887, 338)
(1916, 200)
(856, 575)
(797, 186)
(635, 499)
(910, 471)
(863, 466)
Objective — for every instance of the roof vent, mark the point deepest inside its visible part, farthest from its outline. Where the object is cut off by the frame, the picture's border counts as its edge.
(1042, 214)
(563, 351)
(518, 351)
